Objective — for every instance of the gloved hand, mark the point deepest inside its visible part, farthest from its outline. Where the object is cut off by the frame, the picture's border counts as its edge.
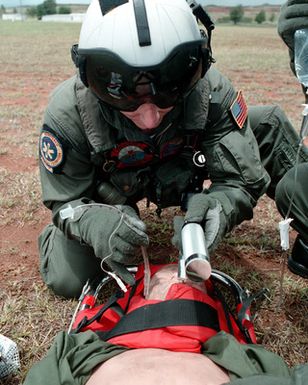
(114, 232)
(206, 210)
(293, 16)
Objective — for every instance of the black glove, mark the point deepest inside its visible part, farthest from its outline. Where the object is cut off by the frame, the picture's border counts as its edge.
(293, 16)
(206, 210)
(114, 232)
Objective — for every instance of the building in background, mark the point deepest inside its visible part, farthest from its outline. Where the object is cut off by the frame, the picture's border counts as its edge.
(65, 18)
(14, 16)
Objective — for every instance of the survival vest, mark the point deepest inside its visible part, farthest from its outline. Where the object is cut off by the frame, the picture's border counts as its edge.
(182, 322)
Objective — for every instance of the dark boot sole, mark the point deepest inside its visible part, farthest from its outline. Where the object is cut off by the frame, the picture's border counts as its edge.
(297, 268)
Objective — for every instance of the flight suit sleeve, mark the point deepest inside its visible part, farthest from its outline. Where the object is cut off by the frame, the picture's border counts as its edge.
(235, 169)
(66, 172)
(75, 181)
(249, 364)
(72, 359)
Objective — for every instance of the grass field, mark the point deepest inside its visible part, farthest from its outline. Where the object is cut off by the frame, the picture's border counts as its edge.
(35, 57)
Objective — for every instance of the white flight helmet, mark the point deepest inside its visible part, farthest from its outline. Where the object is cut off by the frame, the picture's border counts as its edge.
(134, 51)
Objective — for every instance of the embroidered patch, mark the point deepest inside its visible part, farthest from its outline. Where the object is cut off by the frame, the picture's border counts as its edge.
(51, 151)
(131, 154)
(239, 110)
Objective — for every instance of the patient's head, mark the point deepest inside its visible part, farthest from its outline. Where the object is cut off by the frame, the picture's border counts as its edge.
(164, 278)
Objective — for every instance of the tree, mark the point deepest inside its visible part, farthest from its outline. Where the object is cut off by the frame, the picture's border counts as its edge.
(272, 18)
(48, 7)
(236, 14)
(64, 10)
(260, 17)
(2, 10)
(31, 12)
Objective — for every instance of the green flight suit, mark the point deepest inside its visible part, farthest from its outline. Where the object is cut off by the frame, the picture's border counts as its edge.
(72, 359)
(294, 185)
(85, 132)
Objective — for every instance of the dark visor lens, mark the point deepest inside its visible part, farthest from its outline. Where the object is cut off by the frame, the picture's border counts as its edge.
(125, 87)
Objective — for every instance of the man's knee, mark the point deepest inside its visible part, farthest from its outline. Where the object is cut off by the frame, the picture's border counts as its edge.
(65, 264)
(259, 115)
(278, 143)
(272, 124)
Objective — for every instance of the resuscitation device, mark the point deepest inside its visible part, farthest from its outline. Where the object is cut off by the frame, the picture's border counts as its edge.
(194, 259)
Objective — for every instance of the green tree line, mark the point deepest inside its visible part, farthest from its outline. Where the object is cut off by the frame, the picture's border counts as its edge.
(48, 7)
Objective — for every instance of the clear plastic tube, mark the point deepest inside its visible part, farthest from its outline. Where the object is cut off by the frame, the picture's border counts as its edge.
(147, 272)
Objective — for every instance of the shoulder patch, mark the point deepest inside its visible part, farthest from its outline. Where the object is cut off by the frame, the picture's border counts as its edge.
(51, 151)
(239, 110)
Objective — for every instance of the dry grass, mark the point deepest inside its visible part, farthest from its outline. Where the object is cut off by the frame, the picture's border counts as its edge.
(31, 319)
(29, 313)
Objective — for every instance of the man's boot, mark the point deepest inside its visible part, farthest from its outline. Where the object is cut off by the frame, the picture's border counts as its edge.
(298, 260)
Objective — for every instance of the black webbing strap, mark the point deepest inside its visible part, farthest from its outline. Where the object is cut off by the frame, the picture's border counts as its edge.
(180, 312)
(142, 24)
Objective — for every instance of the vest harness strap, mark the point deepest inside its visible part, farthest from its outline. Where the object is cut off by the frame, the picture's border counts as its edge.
(167, 313)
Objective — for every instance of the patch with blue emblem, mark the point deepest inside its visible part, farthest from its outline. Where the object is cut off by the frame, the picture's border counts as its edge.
(51, 151)
(131, 154)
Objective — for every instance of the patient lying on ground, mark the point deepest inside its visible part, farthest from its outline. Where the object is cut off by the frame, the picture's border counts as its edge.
(158, 366)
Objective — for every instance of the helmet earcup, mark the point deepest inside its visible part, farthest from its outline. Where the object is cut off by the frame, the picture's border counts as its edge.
(80, 63)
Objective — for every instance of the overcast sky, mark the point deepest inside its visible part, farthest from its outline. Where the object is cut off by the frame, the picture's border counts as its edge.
(16, 3)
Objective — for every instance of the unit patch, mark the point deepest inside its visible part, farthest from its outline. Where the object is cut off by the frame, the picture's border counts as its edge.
(239, 110)
(131, 154)
(51, 151)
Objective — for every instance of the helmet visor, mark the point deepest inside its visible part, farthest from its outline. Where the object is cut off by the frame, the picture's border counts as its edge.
(125, 87)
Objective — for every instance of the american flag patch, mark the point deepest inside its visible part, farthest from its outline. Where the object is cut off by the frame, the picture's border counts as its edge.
(239, 110)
